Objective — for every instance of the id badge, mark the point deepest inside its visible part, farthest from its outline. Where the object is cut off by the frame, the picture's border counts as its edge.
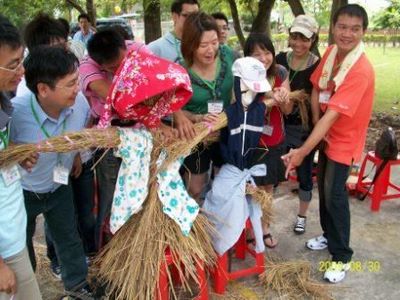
(215, 107)
(60, 175)
(10, 175)
(324, 96)
(268, 130)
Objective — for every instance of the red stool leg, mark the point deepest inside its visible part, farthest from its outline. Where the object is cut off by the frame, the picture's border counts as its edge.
(260, 262)
(380, 188)
(240, 246)
(220, 274)
(361, 174)
(202, 278)
(162, 291)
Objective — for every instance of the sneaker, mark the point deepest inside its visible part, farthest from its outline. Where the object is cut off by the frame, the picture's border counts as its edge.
(80, 292)
(318, 243)
(336, 271)
(300, 226)
(56, 271)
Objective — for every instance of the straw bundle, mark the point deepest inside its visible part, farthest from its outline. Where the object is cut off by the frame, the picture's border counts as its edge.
(108, 138)
(131, 261)
(72, 141)
(292, 280)
(264, 199)
(302, 99)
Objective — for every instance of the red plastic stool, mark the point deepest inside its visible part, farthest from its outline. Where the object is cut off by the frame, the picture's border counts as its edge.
(162, 292)
(221, 275)
(382, 183)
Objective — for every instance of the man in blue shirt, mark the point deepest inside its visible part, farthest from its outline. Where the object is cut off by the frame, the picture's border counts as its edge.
(53, 108)
(17, 280)
(86, 32)
(169, 45)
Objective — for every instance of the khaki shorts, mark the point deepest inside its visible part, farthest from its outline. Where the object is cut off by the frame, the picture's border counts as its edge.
(27, 287)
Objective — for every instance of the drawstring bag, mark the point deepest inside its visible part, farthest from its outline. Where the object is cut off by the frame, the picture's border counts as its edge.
(386, 146)
(385, 149)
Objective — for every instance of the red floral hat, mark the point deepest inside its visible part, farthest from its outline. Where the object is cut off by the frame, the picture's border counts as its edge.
(145, 89)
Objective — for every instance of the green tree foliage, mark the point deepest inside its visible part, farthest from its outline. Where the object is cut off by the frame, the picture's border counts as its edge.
(20, 12)
(389, 18)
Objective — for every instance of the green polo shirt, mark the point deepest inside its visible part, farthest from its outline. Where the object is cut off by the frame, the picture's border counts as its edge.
(203, 91)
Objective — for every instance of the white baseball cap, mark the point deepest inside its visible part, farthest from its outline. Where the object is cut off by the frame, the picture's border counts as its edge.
(253, 74)
(305, 25)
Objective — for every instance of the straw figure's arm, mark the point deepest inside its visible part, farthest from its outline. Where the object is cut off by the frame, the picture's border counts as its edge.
(109, 138)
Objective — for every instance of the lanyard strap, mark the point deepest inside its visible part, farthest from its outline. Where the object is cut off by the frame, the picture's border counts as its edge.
(290, 59)
(5, 136)
(212, 85)
(45, 132)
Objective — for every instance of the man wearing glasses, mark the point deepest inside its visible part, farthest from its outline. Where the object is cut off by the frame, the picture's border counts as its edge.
(54, 107)
(17, 280)
(169, 45)
(223, 28)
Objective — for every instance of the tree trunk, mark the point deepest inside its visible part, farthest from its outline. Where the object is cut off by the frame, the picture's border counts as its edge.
(236, 22)
(152, 20)
(262, 21)
(336, 4)
(75, 5)
(296, 7)
(91, 11)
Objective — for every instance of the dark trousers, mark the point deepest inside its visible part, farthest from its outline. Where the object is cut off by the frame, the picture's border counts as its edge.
(107, 175)
(83, 192)
(304, 177)
(334, 207)
(59, 214)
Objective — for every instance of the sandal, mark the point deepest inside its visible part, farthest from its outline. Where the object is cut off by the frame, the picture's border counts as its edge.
(271, 245)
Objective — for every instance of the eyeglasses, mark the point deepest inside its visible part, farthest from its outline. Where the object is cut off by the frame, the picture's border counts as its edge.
(14, 70)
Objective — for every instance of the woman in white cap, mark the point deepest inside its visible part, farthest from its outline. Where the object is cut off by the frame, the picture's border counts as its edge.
(301, 63)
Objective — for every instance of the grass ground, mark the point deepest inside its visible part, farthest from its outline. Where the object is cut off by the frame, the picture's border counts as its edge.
(387, 86)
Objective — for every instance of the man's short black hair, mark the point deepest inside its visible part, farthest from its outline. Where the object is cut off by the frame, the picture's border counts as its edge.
(352, 10)
(46, 64)
(43, 30)
(9, 34)
(105, 45)
(84, 16)
(176, 6)
(220, 16)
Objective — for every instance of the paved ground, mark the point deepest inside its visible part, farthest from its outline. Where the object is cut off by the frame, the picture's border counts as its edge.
(375, 239)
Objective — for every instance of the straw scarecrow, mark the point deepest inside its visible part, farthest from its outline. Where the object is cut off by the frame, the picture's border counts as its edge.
(152, 222)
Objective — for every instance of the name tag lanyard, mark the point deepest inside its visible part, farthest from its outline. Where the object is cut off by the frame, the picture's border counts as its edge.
(45, 132)
(5, 136)
(210, 85)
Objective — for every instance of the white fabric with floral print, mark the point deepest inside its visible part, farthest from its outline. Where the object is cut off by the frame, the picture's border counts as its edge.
(131, 189)
(177, 203)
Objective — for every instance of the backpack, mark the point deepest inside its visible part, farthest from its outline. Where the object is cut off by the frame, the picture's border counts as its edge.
(386, 145)
(385, 149)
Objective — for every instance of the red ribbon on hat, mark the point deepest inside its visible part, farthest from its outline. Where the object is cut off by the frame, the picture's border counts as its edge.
(145, 89)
